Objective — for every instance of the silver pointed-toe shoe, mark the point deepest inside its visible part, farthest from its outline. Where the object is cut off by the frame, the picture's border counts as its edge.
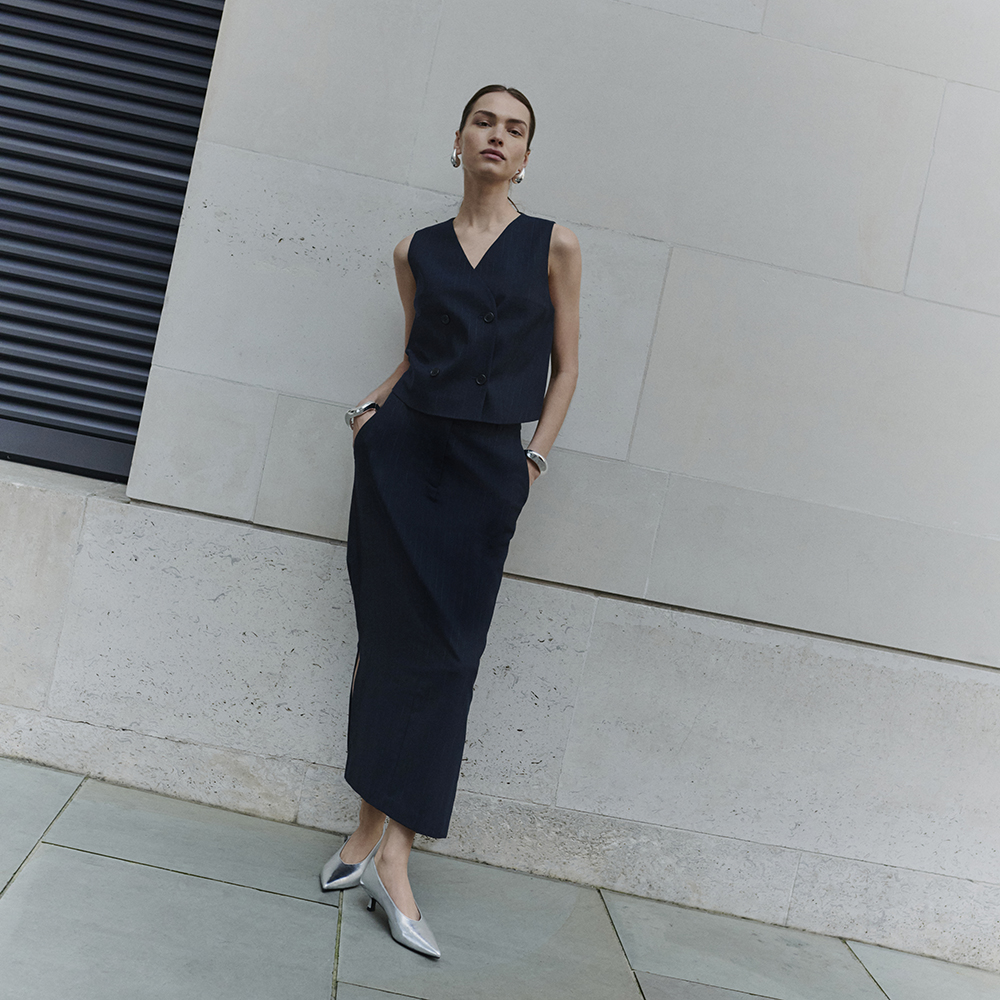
(413, 934)
(338, 874)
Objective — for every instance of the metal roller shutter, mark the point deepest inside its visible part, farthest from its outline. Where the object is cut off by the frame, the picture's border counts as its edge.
(100, 102)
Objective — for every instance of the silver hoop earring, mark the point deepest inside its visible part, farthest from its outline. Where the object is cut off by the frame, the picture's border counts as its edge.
(518, 177)
(456, 160)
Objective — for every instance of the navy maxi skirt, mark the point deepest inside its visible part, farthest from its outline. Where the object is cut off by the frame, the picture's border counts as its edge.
(435, 504)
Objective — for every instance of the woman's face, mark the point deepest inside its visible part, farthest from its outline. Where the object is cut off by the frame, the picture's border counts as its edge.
(494, 139)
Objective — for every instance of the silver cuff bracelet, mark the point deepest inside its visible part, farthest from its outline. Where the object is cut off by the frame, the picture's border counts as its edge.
(356, 411)
(540, 463)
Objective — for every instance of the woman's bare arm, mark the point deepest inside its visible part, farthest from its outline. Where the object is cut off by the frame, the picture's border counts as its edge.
(407, 286)
(564, 287)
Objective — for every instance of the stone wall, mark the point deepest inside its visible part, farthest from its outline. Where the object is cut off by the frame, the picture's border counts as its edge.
(744, 656)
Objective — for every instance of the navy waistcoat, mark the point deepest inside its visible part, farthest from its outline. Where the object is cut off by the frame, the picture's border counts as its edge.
(481, 337)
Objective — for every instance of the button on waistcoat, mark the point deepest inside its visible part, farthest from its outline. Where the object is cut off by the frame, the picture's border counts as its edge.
(481, 337)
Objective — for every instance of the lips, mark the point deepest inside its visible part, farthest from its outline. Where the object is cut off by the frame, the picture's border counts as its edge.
(493, 154)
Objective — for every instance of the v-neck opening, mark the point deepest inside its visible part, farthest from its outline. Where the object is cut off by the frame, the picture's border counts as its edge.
(499, 236)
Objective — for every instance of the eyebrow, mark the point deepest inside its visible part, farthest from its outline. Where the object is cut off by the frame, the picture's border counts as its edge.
(510, 121)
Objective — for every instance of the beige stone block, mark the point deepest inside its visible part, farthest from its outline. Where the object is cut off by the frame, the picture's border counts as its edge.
(309, 469)
(746, 14)
(703, 136)
(325, 81)
(201, 443)
(248, 783)
(589, 522)
(195, 629)
(326, 801)
(956, 254)
(526, 691)
(38, 533)
(772, 737)
(713, 873)
(955, 40)
(622, 280)
(283, 275)
(822, 569)
(951, 918)
(823, 391)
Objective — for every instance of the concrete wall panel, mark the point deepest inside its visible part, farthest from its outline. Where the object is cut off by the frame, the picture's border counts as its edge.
(956, 255)
(526, 692)
(590, 522)
(746, 14)
(949, 918)
(954, 39)
(260, 785)
(822, 569)
(193, 629)
(40, 517)
(622, 280)
(309, 469)
(202, 443)
(824, 391)
(333, 83)
(283, 274)
(777, 738)
(702, 135)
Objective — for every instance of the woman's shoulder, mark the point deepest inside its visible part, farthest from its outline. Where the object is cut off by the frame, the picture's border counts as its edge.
(563, 244)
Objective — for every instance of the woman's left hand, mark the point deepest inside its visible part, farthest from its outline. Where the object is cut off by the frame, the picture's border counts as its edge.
(533, 472)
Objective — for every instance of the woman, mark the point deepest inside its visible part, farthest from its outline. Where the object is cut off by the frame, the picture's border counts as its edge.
(490, 299)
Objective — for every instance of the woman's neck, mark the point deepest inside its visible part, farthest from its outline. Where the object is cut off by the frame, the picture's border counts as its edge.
(485, 207)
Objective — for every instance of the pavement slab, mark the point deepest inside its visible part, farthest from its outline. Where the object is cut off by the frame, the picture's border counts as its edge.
(196, 839)
(94, 928)
(913, 977)
(30, 798)
(661, 988)
(736, 954)
(503, 935)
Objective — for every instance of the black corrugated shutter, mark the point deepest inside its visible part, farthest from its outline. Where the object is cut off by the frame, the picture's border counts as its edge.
(100, 102)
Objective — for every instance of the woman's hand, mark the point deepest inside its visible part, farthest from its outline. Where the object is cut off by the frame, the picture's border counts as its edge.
(533, 472)
(360, 420)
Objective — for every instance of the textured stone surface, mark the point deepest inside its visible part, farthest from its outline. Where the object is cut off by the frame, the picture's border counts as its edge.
(326, 801)
(714, 873)
(956, 254)
(590, 522)
(950, 918)
(526, 691)
(309, 470)
(769, 737)
(954, 40)
(824, 391)
(807, 566)
(619, 297)
(201, 443)
(258, 785)
(320, 81)
(746, 14)
(203, 630)
(751, 146)
(283, 275)
(38, 533)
